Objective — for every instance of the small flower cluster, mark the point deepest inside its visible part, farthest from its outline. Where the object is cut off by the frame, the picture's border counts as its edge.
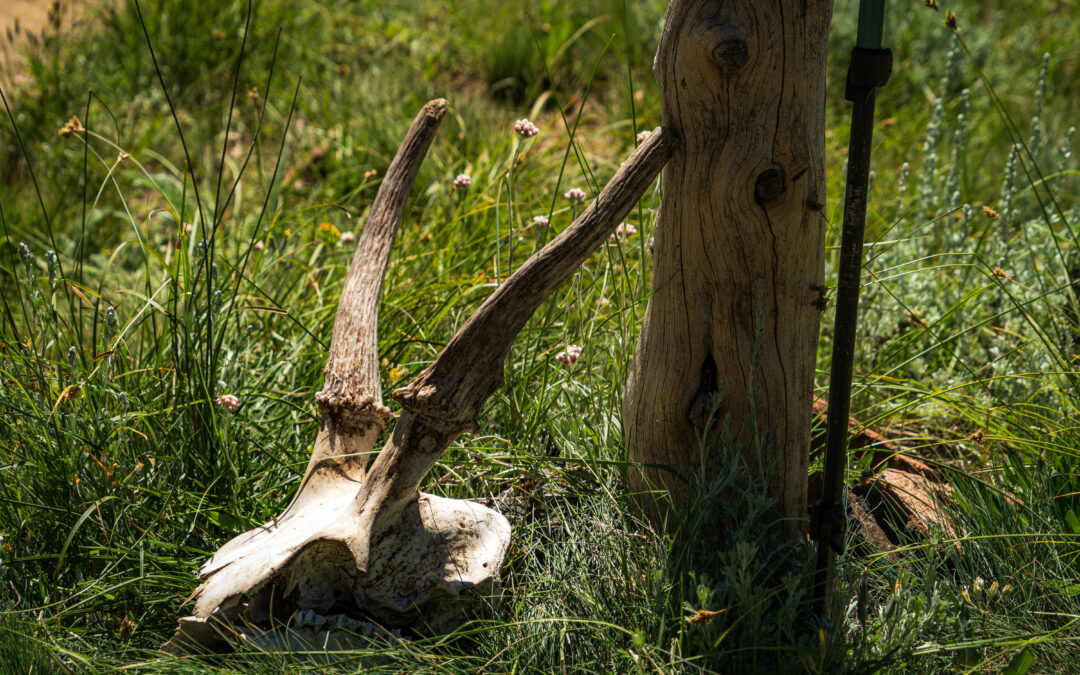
(462, 181)
(228, 402)
(569, 356)
(525, 128)
(540, 221)
(575, 195)
(623, 232)
(984, 598)
(347, 238)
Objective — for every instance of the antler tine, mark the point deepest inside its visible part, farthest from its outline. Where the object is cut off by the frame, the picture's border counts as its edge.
(351, 398)
(470, 367)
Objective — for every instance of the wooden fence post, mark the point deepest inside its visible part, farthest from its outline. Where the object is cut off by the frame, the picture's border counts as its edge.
(738, 252)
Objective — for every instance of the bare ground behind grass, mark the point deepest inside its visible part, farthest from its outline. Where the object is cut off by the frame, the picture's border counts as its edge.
(27, 21)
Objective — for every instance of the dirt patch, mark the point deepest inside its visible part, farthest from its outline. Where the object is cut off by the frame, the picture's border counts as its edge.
(25, 17)
(25, 23)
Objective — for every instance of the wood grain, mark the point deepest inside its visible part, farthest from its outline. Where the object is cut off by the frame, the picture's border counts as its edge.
(738, 254)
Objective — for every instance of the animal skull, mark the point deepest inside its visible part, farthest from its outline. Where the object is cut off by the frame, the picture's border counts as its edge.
(361, 552)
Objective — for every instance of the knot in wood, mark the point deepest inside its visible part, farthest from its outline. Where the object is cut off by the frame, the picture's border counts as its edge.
(730, 54)
(769, 186)
(707, 401)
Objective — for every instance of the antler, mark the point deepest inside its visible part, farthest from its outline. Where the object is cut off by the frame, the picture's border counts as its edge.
(351, 402)
(423, 549)
(353, 413)
(445, 399)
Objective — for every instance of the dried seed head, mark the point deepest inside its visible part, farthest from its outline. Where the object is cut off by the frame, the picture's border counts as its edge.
(53, 15)
(127, 627)
(72, 126)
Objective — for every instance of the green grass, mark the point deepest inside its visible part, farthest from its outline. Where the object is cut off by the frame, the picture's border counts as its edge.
(119, 476)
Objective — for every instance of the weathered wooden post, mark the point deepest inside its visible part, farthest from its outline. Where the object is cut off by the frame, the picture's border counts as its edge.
(738, 253)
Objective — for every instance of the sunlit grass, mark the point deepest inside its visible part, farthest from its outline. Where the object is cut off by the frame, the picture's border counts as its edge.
(188, 241)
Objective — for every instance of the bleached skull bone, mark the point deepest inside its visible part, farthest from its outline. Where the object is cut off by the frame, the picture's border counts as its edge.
(427, 562)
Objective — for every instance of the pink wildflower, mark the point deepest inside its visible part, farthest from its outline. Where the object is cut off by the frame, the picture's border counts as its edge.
(259, 246)
(347, 238)
(569, 356)
(623, 232)
(575, 195)
(229, 402)
(525, 128)
(462, 181)
(540, 221)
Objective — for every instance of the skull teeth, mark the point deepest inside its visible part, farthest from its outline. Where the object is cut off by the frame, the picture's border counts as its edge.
(309, 618)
